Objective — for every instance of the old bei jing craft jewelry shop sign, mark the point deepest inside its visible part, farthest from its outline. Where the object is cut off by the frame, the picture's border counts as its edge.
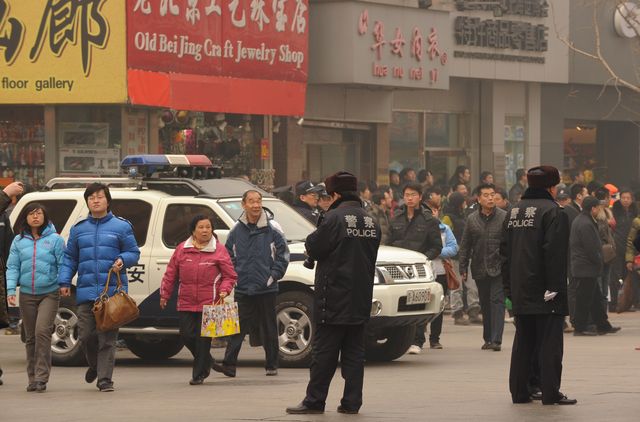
(62, 51)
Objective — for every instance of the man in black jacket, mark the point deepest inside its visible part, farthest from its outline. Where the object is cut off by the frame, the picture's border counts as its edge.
(414, 227)
(534, 250)
(345, 245)
(577, 192)
(480, 244)
(586, 265)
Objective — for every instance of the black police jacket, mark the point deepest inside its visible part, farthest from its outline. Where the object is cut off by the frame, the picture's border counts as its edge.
(306, 211)
(534, 250)
(345, 246)
(421, 234)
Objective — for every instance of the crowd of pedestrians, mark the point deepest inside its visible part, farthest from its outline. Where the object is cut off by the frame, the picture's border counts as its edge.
(541, 251)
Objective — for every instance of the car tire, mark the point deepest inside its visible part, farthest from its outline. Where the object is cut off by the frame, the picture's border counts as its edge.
(295, 329)
(66, 349)
(154, 347)
(389, 344)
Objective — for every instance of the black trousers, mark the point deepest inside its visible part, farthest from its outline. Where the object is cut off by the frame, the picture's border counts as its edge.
(260, 311)
(329, 342)
(541, 334)
(436, 324)
(572, 292)
(491, 294)
(200, 347)
(589, 304)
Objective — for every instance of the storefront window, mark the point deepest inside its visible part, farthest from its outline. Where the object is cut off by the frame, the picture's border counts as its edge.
(514, 141)
(231, 141)
(580, 151)
(331, 150)
(89, 139)
(406, 141)
(446, 144)
(22, 145)
(438, 142)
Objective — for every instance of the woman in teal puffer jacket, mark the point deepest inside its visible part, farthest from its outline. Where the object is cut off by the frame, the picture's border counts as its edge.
(34, 259)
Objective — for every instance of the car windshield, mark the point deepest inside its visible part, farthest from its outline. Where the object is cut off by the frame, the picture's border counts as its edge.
(295, 226)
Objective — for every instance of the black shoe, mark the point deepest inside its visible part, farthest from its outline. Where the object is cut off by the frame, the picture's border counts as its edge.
(495, 347)
(196, 381)
(611, 330)
(303, 409)
(41, 387)
(105, 385)
(487, 346)
(216, 367)
(563, 400)
(229, 370)
(584, 333)
(91, 375)
(435, 345)
(272, 372)
(523, 401)
(31, 387)
(347, 411)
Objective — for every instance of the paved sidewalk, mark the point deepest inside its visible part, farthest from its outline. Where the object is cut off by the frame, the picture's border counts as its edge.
(458, 383)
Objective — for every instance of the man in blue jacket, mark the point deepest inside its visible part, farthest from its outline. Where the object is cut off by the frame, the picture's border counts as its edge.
(97, 244)
(260, 255)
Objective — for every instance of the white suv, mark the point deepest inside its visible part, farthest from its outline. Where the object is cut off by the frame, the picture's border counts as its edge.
(160, 210)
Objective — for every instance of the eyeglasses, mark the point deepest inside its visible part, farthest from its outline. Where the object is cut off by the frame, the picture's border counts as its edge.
(96, 197)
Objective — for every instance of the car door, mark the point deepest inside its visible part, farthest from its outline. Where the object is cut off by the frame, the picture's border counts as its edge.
(172, 228)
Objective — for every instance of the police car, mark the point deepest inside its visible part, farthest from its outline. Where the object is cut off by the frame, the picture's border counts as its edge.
(160, 206)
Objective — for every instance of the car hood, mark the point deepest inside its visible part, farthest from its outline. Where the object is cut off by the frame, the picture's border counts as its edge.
(386, 254)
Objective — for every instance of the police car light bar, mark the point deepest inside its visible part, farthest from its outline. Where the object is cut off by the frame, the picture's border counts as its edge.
(146, 165)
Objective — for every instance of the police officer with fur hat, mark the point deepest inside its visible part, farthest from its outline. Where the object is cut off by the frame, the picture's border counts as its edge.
(534, 249)
(345, 246)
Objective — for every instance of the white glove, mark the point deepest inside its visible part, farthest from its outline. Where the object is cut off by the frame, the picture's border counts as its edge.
(549, 295)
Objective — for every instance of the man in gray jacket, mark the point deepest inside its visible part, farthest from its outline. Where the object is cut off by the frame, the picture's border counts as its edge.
(585, 248)
(481, 245)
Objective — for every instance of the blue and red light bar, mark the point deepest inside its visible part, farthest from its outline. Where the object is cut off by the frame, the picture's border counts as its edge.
(147, 164)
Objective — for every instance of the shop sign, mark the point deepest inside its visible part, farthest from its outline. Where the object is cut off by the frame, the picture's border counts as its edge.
(380, 45)
(256, 39)
(626, 20)
(62, 51)
(502, 34)
(416, 45)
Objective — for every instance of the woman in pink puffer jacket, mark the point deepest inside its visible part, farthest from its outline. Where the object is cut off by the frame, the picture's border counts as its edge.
(197, 264)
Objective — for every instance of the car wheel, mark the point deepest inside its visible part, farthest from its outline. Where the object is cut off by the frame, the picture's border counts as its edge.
(154, 347)
(295, 330)
(66, 349)
(390, 343)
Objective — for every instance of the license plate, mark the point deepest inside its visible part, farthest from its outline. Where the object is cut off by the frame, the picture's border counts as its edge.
(418, 296)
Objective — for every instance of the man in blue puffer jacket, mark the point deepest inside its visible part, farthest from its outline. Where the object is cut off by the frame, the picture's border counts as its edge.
(97, 244)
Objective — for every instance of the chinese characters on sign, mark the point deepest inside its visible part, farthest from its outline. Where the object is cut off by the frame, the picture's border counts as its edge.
(63, 22)
(137, 132)
(473, 31)
(435, 57)
(502, 34)
(262, 39)
(532, 8)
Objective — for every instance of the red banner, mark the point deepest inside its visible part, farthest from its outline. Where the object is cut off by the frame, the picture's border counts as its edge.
(250, 39)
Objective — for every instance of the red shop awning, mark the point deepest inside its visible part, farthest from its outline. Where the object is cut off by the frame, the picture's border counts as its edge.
(215, 93)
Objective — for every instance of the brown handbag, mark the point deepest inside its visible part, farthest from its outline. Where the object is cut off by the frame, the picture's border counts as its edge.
(452, 280)
(115, 311)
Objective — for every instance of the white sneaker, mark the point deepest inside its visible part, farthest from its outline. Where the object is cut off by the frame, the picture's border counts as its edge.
(414, 350)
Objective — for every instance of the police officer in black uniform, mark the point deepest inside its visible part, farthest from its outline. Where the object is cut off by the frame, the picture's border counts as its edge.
(306, 201)
(534, 248)
(345, 245)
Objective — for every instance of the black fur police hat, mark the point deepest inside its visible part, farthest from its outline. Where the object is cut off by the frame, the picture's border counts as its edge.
(543, 177)
(341, 181)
